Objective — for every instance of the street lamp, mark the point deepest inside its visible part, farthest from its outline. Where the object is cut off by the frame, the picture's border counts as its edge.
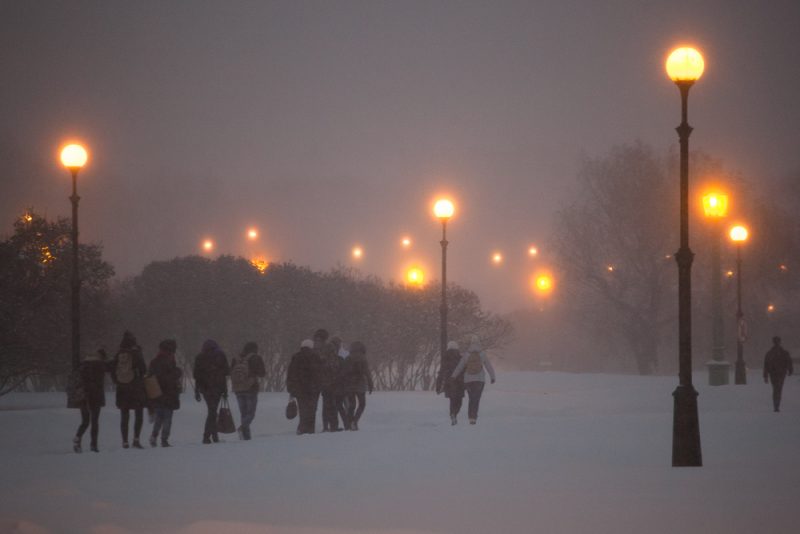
(74, 157)
(739, 235)
(208, 245)
(443, 210)
(684, 67)
(715, 207)
(415, 276)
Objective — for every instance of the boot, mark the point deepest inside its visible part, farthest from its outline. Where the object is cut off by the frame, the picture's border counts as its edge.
(453, 419)
(152, 441)
(125, 445)
(165, 443)
(94, 447)
(353, 425)
(473, 421)
(215, 438)
(76, 444)
(137, 445)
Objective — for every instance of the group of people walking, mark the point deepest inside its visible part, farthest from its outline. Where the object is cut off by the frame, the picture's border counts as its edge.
(460, 372)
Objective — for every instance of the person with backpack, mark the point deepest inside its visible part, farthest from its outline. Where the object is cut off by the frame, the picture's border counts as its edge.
(127, 372)
(777, 365)
(453, 388)
(357, 382)
(168, 375)
(302, 383)
(246, 369)
(92, 373)
(211, 383)
(472, 364)
(329, 373)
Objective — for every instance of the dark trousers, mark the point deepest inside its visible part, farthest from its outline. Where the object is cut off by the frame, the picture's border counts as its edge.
(162, 423)
(247, 400)
(212, 403)
(307, 412)
(777, 390)
(341, 408)
(474, 392)
(89, 413)
(356, 402)
(330, 415)
(138, 418)
(455, 403)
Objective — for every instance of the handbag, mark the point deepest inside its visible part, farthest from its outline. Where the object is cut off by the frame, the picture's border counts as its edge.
(291, 409)
(225, 424)
(152, 387)
(76, 394)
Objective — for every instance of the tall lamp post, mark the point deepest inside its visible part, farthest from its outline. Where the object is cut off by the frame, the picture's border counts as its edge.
(739, 235)
(443, 210)
(74, 157)
(715, 206)
(685, 66)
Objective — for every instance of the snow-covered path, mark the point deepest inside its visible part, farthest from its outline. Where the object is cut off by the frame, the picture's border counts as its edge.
(551, 453)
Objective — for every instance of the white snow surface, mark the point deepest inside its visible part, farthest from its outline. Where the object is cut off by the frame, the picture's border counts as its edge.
(551, 453)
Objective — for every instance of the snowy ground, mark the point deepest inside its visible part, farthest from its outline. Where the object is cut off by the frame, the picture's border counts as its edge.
(552, 453)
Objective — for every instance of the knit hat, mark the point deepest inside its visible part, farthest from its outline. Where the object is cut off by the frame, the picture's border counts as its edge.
(168, 345)
(307, 344)
(452, 345)
(128, 340)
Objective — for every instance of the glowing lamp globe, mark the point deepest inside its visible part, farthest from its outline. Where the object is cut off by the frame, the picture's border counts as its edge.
(252, 233)
(739, 234)
(358, 252)
(715, 205)
(73, 157)
(443, 209)
(208, 245)
(415, 276)
(685, 65)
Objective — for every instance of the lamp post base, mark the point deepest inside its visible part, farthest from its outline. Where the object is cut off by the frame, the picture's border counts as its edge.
(719, 373)
(686, 429)
(740, 373)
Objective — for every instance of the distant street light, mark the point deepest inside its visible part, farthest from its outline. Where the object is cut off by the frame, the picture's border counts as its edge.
(443, 210)
(497, 258)
(405, 242)
(543, 284)
(684, 67)
(739, 236)
(357, 252)
(74, 157)
(208, 245)
(415, 276)
(715, 207)
(252, 234)
(533, 251)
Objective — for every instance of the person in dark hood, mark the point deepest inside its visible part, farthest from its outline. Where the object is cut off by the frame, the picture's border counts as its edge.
(329, 373)
(357, 382)
(210, 376)
(127, 371)
(246, 370)
(777, 365)
(169, 375)
(302, 383)
(92, 372)
(453, 388)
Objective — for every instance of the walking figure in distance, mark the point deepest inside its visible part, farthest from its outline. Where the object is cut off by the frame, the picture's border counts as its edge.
(127, 371)
(357, 380)
(472, 363)
(210, 376)
(246, 369)
(169, 376)
(302, 383)
(777, 364)
(453, 388)
(92, 371)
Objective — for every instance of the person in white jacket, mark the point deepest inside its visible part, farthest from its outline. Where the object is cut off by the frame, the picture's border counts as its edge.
(473, 362)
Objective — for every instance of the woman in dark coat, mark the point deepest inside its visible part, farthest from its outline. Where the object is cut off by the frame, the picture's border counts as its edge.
(303, 385)
(358, 381)
(210, 375)
(453, 388)
(92, 371)
(168, 374)
(127, 371)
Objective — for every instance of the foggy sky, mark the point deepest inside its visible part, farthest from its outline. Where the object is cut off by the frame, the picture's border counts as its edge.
(327, 124)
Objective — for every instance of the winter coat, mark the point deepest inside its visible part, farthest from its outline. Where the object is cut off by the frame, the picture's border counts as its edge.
(453, 388)
(777, 363)
(93, 371)
(356, 377)
(330, 368)
(255, 368)
(211, 370)
(303, 375)
(130, 396)
(480, 376)
(169, 375)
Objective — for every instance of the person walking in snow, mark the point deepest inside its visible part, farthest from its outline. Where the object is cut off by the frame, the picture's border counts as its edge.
(777, 365)
(340, 395)
(92, 372)
(210, 375)
(302, 383)
(473, 362)
(246, 369)
(169, 376)
(453, 388)
(330, 364)
(357, 380)
(127, 371)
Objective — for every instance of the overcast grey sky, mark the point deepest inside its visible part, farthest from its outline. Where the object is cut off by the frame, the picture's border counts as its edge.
(331, 123)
